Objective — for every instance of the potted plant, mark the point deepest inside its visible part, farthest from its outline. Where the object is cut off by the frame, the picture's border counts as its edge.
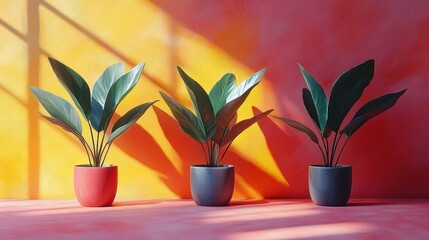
(95, 183)
(330, 183)
(214, 126)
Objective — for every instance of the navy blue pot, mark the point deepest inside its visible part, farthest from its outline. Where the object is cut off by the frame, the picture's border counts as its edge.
(330, 186)
(212, 186)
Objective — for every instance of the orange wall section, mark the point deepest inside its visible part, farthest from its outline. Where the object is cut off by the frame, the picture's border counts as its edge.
(208, 39)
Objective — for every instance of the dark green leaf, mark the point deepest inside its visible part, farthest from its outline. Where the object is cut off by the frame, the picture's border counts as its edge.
(64, 126)
(319, 98)
(101, 89)
(202, 105)
(226, 115)
(75, 86)
(238, 128)
(299, 126)
(370, 110)
(58, 108)
(246, 85)
(221, 91)
(118, 92)
(186, 119)
(347, 89)
(126, 121)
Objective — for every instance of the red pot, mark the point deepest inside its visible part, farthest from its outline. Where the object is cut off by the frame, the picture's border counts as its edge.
(95, 186)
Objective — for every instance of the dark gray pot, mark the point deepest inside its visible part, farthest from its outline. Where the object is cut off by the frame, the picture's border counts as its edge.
(212, 186)
(330, 186)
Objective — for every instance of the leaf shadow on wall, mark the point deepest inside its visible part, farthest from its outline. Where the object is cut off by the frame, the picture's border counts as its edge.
(285, 151)
(190, 153)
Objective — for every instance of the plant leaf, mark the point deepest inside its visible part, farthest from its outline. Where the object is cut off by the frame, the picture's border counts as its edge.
(118, 92)
(221, 90)
(347, 89)
(226, 115)
(370, 110)
(299, 126)
(126, 121)
(319, 98)
(186, 119)
(101, 90)
(75, 86)
(247, 84)
(238, 128)
(58, 108)
(64, 126)
(202, 105)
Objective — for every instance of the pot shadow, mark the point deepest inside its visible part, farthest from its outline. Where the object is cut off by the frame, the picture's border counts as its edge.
(124, 203)
(241, 202)
(151, 155)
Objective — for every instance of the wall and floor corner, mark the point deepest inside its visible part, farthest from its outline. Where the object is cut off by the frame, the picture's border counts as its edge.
(209, 38)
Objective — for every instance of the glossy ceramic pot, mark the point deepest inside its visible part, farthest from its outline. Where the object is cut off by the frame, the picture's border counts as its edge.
(212, 186)
(95, 186)
(330, 186)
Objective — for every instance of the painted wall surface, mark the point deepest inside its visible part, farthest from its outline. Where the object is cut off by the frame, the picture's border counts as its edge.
(208, 39)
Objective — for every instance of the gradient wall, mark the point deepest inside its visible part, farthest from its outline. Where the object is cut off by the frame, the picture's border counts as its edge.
(209, 38)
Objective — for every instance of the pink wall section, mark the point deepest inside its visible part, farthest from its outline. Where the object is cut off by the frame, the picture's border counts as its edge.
(389, 154)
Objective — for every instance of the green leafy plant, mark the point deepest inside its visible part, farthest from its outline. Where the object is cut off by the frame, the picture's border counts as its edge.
(329, 116)
(214, 123)
(97, 110)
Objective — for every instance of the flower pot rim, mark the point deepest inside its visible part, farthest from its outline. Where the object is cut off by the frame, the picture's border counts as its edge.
(336, 167)
(212, 167)
(89, 166)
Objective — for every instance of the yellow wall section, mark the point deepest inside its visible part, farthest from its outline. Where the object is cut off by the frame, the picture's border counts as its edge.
(37, 158)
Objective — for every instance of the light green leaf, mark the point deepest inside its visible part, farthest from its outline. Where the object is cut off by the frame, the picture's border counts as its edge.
(319, 98)
(221, 90)
(58, 108)
(101, 90)
(249, 83)
(118, 92)
(126, 121)
(64, 126)
(75, 86)
(186, 119)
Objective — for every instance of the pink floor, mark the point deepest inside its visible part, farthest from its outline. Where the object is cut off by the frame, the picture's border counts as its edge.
(182, 219)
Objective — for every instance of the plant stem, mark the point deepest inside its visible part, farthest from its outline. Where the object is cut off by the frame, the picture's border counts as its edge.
(226, 150)
(98, 150)
(338, 158)
(105, 155)
(325, 158)
(323, 154)
(331, 160)
(205, 154)
(208, 152)
(92, 139)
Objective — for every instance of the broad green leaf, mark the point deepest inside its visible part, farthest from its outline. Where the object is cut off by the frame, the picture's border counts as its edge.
(58, 108)
(249, 83)
(101, 89)
(347, 89)
(311, 109)
(221, 91)
(186, 119)
(299, 126)
(370, 110)
(238, 128)
(202, 105)
(75, 86)
(319, 98)
(64, 126)
(118, 92)
(126, 121)
(226, 115)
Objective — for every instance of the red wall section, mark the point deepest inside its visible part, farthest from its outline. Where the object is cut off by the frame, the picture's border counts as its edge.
(389, 154)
